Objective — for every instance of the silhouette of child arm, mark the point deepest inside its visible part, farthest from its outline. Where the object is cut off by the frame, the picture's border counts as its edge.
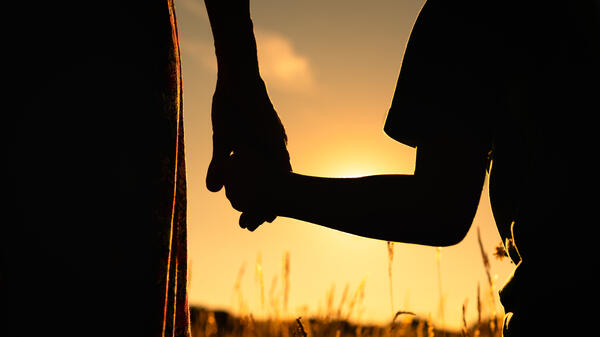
(243, 116)
(435, 206)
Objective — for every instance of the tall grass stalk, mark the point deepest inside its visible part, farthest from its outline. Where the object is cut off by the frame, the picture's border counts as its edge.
(273, 298)
(479, 309)
(438, 258)
(237, 288)
(342, 301)
(487, 267)
(329, 302)
(430, 327)
(301, 329)
(464, 326)
(259, 279)
(286, 280)
(390, 250)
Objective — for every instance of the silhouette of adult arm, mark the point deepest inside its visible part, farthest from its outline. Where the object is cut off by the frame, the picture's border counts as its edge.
(243, 116)
(435, 206)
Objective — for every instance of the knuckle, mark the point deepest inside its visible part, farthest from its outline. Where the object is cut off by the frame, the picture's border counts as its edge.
(237, 205)
(233, 199)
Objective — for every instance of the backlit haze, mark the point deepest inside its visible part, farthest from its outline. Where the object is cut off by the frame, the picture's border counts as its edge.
(330, 68)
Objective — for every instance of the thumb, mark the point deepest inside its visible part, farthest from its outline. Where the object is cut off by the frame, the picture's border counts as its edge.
(215, 177)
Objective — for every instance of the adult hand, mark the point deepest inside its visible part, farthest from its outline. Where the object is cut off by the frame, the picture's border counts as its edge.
(251, 187)
(245, 122)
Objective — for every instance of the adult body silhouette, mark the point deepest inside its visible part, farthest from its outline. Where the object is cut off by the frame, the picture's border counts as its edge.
(507, 87)
(97, 246)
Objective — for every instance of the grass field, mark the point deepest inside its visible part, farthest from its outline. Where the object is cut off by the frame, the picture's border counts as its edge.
(207, 323)
(337, 320)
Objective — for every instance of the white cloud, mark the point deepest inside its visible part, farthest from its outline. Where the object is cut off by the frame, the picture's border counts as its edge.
(199, 51)
(195, 7)
(280, 65)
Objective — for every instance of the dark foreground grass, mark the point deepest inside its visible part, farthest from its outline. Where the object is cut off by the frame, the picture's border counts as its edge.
(207, 323)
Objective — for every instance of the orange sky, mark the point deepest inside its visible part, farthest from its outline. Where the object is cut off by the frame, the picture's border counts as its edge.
(330, 68)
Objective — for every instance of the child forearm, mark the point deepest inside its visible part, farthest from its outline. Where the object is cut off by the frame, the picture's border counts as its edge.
(399, 208)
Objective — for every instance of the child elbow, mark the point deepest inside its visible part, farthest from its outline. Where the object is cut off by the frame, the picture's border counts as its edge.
(453, 231)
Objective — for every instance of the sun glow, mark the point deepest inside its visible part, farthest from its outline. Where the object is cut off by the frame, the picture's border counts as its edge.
(352, 165)
(354, 172)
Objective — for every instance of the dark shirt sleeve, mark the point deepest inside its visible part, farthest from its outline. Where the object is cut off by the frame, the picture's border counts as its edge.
(446, 86)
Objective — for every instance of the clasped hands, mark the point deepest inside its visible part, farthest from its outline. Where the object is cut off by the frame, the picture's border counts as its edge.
(249, 149)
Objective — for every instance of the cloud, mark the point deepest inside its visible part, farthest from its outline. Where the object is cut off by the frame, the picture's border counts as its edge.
(199, 51)
(280, 65)
(195, 7)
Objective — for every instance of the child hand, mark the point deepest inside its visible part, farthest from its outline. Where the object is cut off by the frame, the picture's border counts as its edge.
(250, 186)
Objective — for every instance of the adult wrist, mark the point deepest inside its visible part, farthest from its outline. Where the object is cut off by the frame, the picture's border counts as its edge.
(235, 49)
(237, 63)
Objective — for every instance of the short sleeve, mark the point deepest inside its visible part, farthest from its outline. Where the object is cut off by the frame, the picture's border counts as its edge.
(446, 85)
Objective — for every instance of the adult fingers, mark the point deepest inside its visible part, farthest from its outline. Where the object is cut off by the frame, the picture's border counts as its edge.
(251, 221)
(215, 177)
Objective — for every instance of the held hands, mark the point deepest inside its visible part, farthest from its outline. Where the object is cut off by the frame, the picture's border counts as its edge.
(252, 188)
(245, 124)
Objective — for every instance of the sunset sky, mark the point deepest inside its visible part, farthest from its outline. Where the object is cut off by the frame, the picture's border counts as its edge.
(330, 68)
